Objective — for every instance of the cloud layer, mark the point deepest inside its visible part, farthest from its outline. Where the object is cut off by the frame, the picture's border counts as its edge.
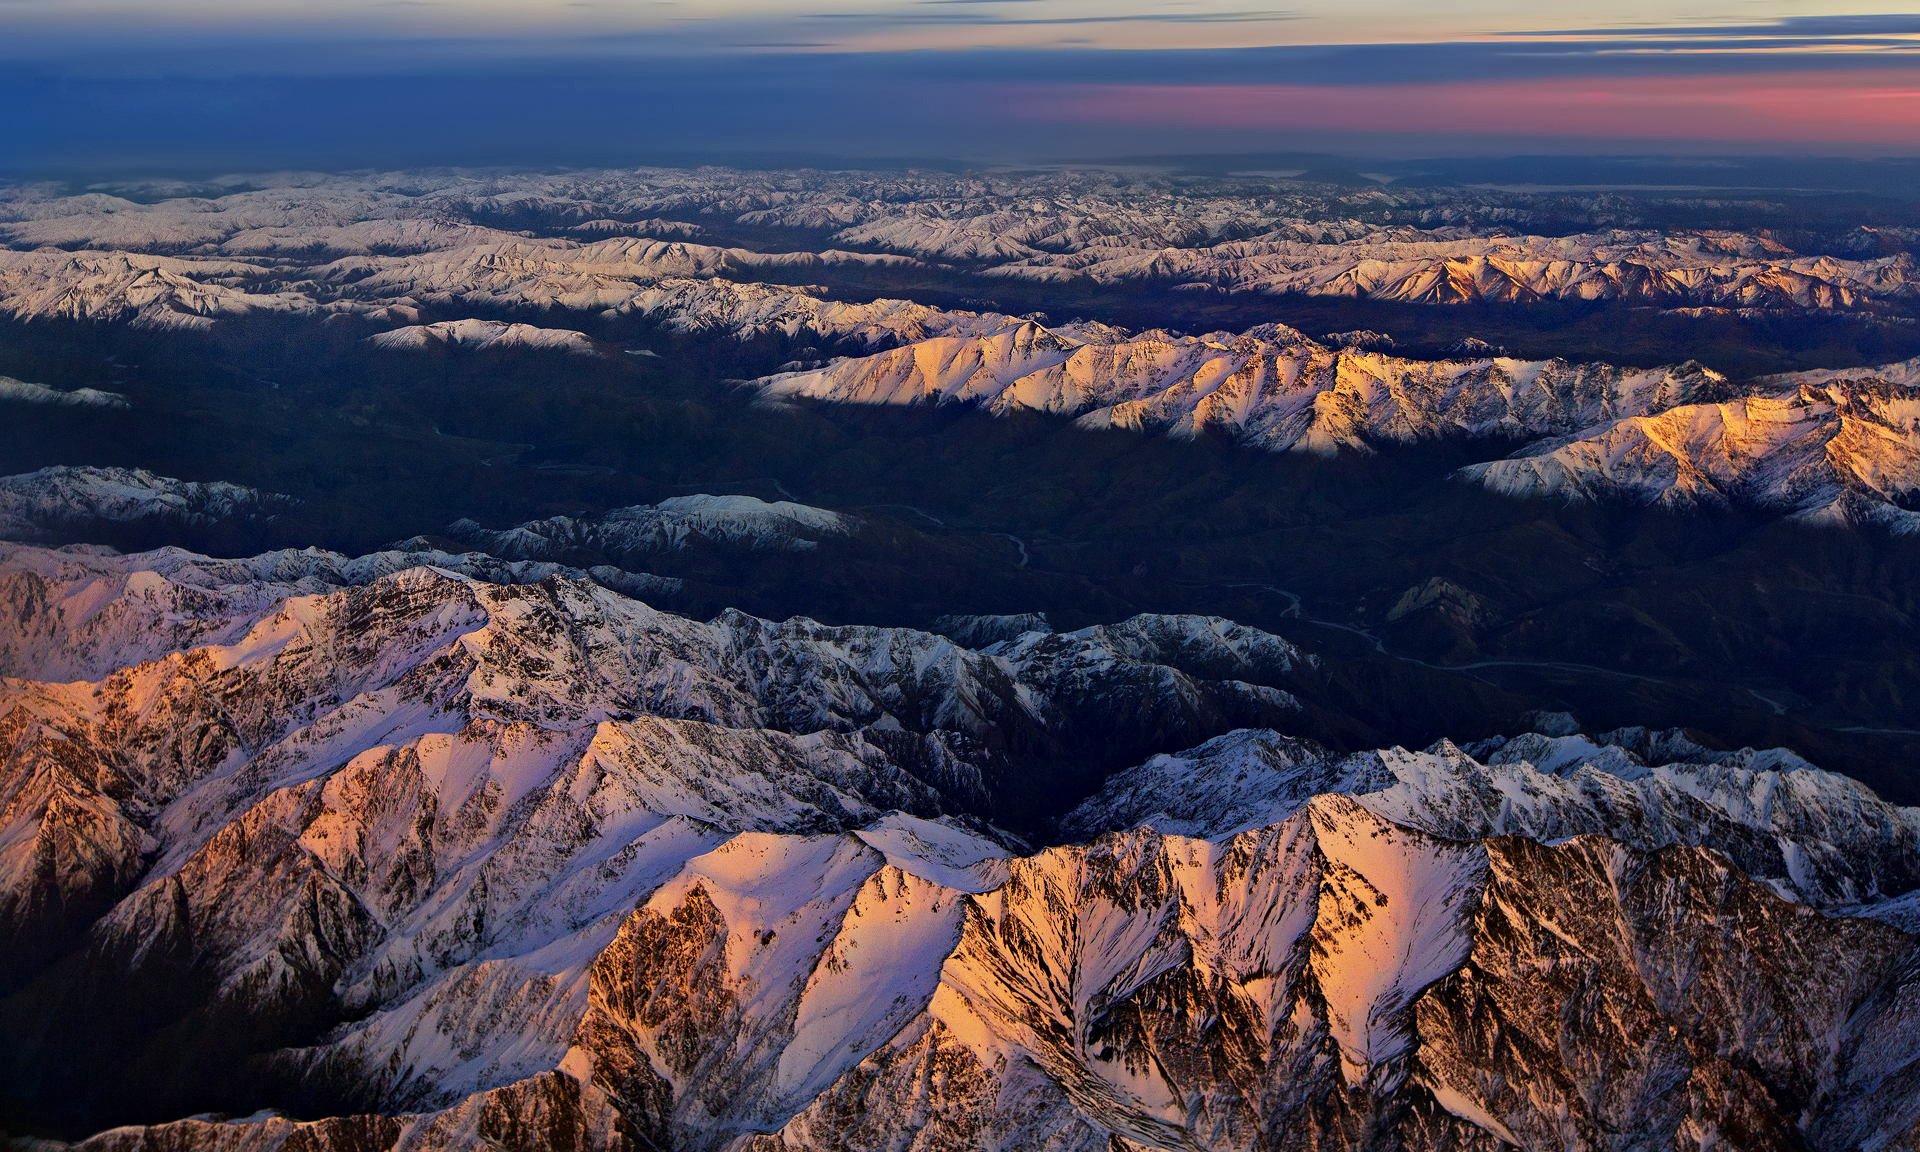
(963, 79)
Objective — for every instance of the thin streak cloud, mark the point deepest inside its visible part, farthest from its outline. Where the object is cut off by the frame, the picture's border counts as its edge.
(1879, 108)
(912, 77)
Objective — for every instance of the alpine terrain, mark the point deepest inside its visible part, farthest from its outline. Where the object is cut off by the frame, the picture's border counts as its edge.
(934, 659)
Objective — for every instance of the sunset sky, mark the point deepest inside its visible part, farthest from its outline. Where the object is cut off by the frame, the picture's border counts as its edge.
(381, 81)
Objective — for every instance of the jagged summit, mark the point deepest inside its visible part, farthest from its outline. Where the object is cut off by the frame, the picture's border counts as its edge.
(1815, 836)
(1270, 387)
(534, 862)
(470, 843)
(1839, 448)
(434, 236)
(609, 248)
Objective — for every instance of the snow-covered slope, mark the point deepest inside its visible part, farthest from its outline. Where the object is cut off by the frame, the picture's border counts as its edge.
(440, 235)
(444, 849)
(396, 248)
(1270, 387)
(560, 273)
(79, 613)
(337, 671)
(466, 784)
(37, 504)
(1816, 836)
(673, 524)
(167, 255)
(983, 630)
(1333, 981)
(1728, 270)
(726, 308)
(27, 392)
(535, 864)
(147, 291)
(1838, 448)
(484, 334)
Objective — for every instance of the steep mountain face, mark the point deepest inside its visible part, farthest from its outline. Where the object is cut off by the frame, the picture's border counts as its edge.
(394, 796)
(1816, 837)
(744, 311)
(1331, 981)
(80, 613)
(1837, 446)
(1335, 981)
(465, 843)
(1844, 449)
(598, 653)
(447, 860)
(1270, 387)
(559, 273)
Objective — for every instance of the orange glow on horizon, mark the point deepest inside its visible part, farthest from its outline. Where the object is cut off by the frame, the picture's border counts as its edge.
(1879, 107)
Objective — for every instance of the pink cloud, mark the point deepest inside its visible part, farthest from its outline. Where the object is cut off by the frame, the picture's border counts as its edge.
(1877, 107)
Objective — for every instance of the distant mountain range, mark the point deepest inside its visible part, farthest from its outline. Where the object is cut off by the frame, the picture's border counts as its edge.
(1829, 447)
(467, 234)
(1681, 435)
(590, 791)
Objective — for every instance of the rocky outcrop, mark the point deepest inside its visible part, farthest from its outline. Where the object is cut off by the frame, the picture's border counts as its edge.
(414, 808)
(1333, 981)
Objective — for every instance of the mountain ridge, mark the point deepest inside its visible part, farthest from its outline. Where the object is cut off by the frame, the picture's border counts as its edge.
(574, 870)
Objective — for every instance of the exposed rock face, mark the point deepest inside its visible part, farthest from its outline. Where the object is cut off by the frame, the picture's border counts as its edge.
(1440, 616)
(448, 862)
(468, 846)
(1331, 981)
(399, 796)
(1440, 595)
(1818, 837)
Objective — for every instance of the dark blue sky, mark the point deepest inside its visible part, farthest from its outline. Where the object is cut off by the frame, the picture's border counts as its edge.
(194, 83)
